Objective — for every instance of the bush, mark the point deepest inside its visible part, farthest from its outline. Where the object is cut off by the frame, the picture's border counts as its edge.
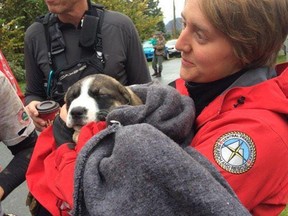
(16, 65)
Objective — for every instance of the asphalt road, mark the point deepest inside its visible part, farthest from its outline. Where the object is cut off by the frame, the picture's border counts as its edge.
(170, 70)
(15, 202)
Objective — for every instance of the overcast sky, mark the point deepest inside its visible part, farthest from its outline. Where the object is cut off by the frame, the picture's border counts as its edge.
(167, 8)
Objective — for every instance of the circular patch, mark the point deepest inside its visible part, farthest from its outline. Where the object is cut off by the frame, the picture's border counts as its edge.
(235, 152)
(23, 117)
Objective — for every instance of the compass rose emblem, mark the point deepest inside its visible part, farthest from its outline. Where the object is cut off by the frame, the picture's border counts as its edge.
(235, 152)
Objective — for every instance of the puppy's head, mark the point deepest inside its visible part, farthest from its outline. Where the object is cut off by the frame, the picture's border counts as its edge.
(93, 97)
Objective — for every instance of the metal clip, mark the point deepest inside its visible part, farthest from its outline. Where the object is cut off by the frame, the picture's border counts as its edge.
(114, 122)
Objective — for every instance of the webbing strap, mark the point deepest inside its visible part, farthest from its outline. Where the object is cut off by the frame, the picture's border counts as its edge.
(55, 41)
(90, 37)
(90, 40)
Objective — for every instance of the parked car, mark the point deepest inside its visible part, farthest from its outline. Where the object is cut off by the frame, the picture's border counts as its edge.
(171, 51)
(148, 49)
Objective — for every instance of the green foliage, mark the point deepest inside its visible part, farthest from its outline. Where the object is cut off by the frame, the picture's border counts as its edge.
(154, 11)
(11, 43)
(30, 9)
(15, 17)
(285, 212)
(281, 59)
(145, 14)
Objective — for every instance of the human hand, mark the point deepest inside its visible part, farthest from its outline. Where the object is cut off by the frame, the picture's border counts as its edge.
(39, 123)
(63, 112)
(1, 193)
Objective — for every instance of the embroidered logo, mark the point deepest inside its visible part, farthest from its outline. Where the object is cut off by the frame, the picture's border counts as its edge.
(235, 152)
(23, 117)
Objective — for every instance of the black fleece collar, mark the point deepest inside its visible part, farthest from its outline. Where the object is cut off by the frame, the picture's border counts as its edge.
(204, 93)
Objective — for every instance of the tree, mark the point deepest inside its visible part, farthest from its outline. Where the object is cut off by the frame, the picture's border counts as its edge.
(12, 45)
(15, 17)
(30, 9)
(145, 14)
(154, 11)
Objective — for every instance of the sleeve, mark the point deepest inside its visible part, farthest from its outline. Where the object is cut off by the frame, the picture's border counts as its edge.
(62, 134)
(35, 52)
(17, 132)
(15, 124)
(136, 65)
(59, 165)
(250, 156)
(14, 173)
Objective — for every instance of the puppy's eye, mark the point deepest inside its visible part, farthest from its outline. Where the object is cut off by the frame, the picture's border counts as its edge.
(103, 96)
(93, 92)
(75, 94)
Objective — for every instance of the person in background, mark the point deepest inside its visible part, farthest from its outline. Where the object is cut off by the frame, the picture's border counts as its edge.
(154, 40)
(17, 132)
(71, 50)
(229, 50)
(159, 50)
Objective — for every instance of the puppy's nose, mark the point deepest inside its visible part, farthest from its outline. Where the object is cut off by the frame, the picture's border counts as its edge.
(78, 112)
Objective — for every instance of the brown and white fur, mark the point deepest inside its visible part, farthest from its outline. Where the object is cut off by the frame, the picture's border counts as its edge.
(93, 97)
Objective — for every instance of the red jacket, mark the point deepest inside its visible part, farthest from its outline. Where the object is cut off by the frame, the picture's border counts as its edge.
(50, 175)
(247, 166)
(244, 132)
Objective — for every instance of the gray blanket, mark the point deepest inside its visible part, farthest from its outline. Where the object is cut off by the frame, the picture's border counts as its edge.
(140, 166)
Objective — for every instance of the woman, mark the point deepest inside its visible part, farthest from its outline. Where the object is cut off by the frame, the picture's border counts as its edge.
(141, 165)
(17, 132)
(229, 49)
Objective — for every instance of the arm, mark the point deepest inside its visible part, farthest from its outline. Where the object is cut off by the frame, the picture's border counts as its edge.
(36, 61)
(17, 132)
(160, 45)
(262, 184)
(51, 170)
(136, 65)
(14, 174)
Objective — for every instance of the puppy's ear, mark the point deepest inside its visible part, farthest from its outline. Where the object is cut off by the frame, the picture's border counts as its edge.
(65, 96)
(123, 91)
(133, 99)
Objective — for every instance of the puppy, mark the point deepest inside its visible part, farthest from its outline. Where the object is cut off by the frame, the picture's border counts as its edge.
(93, 97)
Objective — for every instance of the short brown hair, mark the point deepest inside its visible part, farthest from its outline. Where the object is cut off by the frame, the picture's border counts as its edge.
(256, 28)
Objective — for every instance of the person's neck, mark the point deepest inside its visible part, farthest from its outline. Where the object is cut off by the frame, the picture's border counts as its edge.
(75, 15)
(204, 93)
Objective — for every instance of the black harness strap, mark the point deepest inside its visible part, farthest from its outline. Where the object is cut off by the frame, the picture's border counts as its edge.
(90, 40)
(90, 37)
(93, 39)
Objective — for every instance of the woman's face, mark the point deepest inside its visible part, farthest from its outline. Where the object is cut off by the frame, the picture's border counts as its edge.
(207, 54)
